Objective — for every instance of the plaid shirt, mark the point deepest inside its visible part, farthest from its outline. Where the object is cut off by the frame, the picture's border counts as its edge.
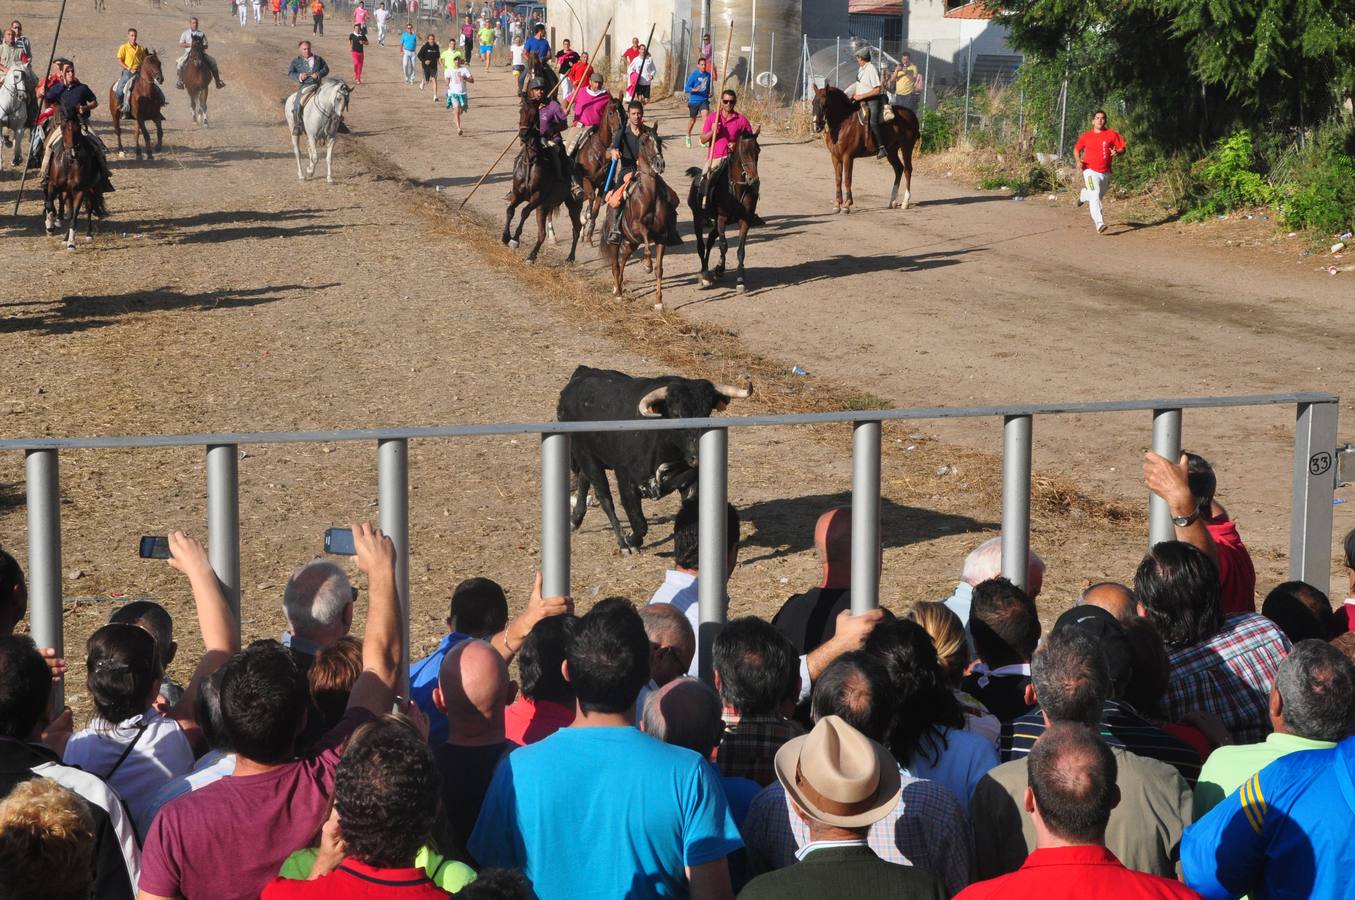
(748, 749)
(1229, 675)
(928, 829)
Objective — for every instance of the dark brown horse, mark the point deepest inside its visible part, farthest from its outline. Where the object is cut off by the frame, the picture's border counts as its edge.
(593, 162)
(537, 184)
(197, 80)
(848, 138)
(74, 176)
(733, 199)
(648, 214)
(143, 105)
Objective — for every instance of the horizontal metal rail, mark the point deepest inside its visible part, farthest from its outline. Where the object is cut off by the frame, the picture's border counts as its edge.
(658, 424)
(1310, 515)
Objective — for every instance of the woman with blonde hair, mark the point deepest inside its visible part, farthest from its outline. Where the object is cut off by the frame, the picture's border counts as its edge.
(948, 636)
(46, 843)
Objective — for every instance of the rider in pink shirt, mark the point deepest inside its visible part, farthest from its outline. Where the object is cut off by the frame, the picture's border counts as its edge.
(724, 125)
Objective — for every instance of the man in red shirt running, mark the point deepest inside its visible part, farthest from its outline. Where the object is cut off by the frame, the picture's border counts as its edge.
(1094, 151)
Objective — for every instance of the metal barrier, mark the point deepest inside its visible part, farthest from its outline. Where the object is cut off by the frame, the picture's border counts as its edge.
(1314, 480)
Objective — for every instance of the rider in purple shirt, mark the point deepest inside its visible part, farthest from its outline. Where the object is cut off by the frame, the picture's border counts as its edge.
(550, 123)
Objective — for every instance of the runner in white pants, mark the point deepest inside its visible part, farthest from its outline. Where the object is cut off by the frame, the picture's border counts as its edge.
(1094, 151)
(381, 14)
(257, 6)
(242, 7)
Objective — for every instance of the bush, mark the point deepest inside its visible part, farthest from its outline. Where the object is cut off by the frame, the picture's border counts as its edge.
(1315, 185)
(938, 130)
(1228, 178)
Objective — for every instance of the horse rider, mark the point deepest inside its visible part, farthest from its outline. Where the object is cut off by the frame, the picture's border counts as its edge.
(590, 108)
(550, 124)
(130, 56)
(869, 92)
(13, 54)
(307, 70)
(20, 39)
(76, 101)
(186, 41)
(625, 152)
(721, 129)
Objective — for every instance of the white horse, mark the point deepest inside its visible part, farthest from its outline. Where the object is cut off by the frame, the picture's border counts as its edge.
(321, 117)
(14, 109)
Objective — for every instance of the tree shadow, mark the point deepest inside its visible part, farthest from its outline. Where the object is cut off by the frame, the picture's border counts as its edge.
(215, 157)
(964, 200)
(230, 217)
(464, 180)
(12, 496)
(78, 313)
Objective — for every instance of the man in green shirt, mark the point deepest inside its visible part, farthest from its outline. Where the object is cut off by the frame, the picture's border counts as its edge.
(1312, 707)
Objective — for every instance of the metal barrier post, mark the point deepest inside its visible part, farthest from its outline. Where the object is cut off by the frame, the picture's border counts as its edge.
(1166, 443)
(926, 70)
(223, 520)
(865, 517)
(1310, 517)
(392, 476)
(1016, 438)
(44, 557)
(555, 515)
(713, 499)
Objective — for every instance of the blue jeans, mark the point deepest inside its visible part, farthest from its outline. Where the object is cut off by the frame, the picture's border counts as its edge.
(123, 80)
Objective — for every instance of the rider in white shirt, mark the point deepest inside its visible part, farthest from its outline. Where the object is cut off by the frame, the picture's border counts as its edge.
(186, 41)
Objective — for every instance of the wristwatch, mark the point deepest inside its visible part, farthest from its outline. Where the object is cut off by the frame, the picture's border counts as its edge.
(1183, 521)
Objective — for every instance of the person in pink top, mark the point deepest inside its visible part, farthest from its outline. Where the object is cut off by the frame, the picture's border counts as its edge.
(724, 127)
(590, 106)
(360, 15)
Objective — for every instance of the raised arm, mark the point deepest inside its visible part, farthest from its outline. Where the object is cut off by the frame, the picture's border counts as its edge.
(509, 641)
(220, 631)
(850, 635)
(375, 687)
(1168, 480)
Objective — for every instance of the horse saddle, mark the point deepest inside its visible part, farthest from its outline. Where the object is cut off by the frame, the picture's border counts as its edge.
(863, 113)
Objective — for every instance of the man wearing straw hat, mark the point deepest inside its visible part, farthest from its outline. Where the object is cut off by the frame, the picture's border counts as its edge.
(840, 783)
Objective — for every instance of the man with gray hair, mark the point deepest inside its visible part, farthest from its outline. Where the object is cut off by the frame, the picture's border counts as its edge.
(1072, 683)
(318, 604)
(985, 563)
(672, 647)
(1312, 707)
(1113, 597)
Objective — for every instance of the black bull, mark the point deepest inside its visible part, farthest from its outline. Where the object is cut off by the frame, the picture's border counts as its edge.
(647, 464)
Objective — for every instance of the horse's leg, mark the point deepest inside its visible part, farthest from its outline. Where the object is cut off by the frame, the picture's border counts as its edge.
(527, 210)
(312, 154)
(623, 252)
(594, 210)
(648, 257)
(837, 179)
(542, 217)
(743, 238)
(159, 136)
(296, 151)
(722, 223)
(117, 127)
(329, 160)
(909, 142)
(658, 275)
(893, 152)
(847, 163)
(575, 208)
(508, 221)
(75, 219)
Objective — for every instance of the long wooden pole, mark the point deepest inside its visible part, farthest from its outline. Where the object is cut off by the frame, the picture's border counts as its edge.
(568, 103)
(719, 102)
(23, 176)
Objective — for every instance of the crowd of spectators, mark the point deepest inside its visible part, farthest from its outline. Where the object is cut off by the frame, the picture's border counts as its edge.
(1159, 738)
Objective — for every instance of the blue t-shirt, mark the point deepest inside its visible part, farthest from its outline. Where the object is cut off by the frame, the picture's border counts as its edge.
(697, 87)
(423, 677)
(537, 45)
(960, 765)
(409, 41)
(1284, 833)
(604, 812)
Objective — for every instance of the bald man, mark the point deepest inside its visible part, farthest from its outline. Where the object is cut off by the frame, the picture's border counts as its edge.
(672, 646)
(1113, 597)
(810, 619)
(473, 690)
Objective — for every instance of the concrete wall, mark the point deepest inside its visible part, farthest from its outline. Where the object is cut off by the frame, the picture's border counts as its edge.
(630, 18)
(824, 18)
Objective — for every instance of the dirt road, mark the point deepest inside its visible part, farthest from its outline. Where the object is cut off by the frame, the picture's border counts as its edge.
(225, 295)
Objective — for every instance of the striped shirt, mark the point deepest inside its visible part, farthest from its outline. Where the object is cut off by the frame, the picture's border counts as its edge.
(1230, 675)
(928, 829)
(1121, 726)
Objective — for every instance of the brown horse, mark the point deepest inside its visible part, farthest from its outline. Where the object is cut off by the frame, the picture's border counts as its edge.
(734, 199)
(593, 162)
(197, 80)
(143, 105)
(74, 176)
(848, 138)
(537, 184)
(648, 213)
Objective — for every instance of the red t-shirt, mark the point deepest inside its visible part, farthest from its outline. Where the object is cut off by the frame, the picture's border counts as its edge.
(527, 721)
(1237, 576)
(630, 54)
(229, 839)
(1342, 621)
(358, 881)
(1098, 145)
(1077, 873)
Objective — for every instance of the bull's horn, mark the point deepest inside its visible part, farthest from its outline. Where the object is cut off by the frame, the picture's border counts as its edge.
(648, 400)
(735, 393)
